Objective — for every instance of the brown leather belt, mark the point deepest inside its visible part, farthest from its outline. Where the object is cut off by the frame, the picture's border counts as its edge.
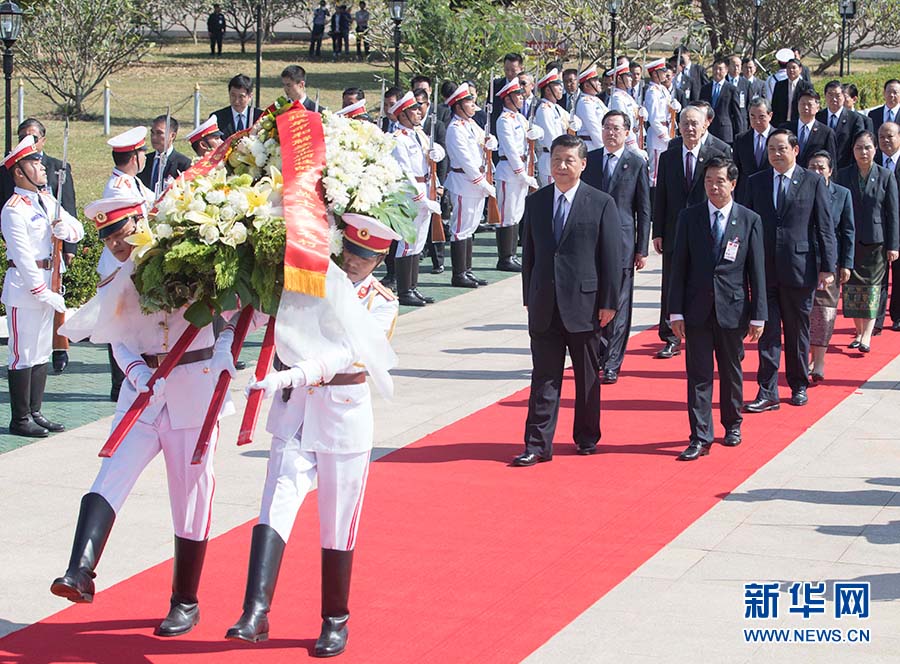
(457, 170)
(348, 379)
(585, 138)
(421, 178)
(547, 150)
(505, 158)
(43, 264)
(153, 361)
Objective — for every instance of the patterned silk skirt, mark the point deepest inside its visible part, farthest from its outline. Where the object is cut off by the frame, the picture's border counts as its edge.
(863, 291)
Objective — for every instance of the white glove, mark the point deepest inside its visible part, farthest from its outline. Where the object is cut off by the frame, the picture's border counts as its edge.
(574, 123)
(490, 142)
(278, 380)
(642, 113)
(531, 181)
(675, 105)
(536, 133)
(437, 153)
(60, 230)
(489, 190)
(433, 206)
(643, 153)
(140, 377)
(55, 300)
(222, 360)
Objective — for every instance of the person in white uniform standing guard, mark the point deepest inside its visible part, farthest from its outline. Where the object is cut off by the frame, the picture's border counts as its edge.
(322, 429)
(553, 119)
(590, 110)
(170, 424)
(662, 110)
(29, 228)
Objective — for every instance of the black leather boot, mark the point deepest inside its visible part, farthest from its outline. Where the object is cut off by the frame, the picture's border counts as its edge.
(390, 278)
(60, 361)
(38, 384)
(95, 520)
(21, 423)
(414, 279)
(184, 608)
(336, 570)
(403, 266)
(116, 375)
(470, 243)
(458, 261)
(507, 238)
(266, 551)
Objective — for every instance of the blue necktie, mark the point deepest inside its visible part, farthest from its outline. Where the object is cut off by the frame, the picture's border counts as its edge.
(760, 149)
(715, 94)
(559, 219)
(154, 176)
(804, 136)
(718, 234)
(240, 123)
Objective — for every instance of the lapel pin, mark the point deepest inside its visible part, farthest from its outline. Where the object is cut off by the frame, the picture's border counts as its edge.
(796, 181)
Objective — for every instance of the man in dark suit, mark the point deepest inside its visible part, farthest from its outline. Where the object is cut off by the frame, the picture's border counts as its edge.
(572, 91)
(571, 277)
(889, 156)
(692, 77)
(805, 74)
(800, 254)
(293, 82)
(717, 297)
(787, 93)
(512, 67)
(155, 172)
(890, 110)
(436, 249)
(239, 115)
(750, 147)
(622, 173)
(756, 87)
(842, 121)
(215, 27)
(812, 135)
(723, 97)
(679, 183)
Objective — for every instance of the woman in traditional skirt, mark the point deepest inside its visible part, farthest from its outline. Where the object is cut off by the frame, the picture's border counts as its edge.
(875, 213)
(824, 311)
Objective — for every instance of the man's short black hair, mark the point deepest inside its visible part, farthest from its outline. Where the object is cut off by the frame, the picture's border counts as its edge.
(890, 81)
(448, 88)
(706, 107)
(393, 91)
(616, 113)
(824, 154)
(513, 57)
(831, 85)
(173, 123)
(569, 141)
(417, 81)
(791, 136)
(731, 169)
(241, 82)
(358, 92)
(31, 122)
(294, 72)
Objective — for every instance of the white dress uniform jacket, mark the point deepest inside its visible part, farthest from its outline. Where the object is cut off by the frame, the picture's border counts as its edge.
(590, 110)
(620, 100)
(409, 151)
(554, 120)
(122, 184)
(658, 102)
(512, 169)
(465, 148)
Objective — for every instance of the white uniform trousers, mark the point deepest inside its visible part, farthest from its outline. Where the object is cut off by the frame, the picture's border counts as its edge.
(422, 222)
(191, 487)
(30, 336)
(511, 201)
(467, 213)
(341, 488)
(653, 155)
(543, 169)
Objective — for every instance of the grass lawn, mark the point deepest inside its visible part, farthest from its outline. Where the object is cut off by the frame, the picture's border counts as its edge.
(168, 76)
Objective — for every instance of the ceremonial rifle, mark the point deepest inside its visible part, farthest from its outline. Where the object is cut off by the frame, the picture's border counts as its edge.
(640, 128)
(531, 155)
(437, 224)
(493, 212)
(161, 167)
(381, 108)
(59, 342)
(317, 101)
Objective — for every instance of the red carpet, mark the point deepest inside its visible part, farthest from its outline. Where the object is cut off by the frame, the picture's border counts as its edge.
(460, 557)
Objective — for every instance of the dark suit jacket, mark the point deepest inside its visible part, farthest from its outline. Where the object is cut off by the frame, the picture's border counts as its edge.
(729, 120)
(780, 100)
(755, 88)
(310, 105)
(698, 77)
(703, 283)
(745, 158)
(53, 166)
(876, 118)
(444, 113)
(440, 137)
(671, 196)
(844, 227)
(799, 242)
(875, 207)
(176, 164)
(630, 188)
(225, 119)
(849, 124)
(580, 276)
(820, 138)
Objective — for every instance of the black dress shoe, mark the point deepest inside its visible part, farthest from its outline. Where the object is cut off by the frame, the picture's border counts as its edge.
(42, 421)
(425, 298)
(761, 405)
(799, 398)
(694, 451)
(853, 344)
(462, 280)
(407, 299)
(240, 365)
(732, 438)
(528, 459)
(816, 377)
(389, 281)
(587, 451)
(27, 428)
(668, 351)
(895, 326)
(76, 586)
(610, 377)
(864, 348)
(60, 361)
(876, 331)
(437, 269)
(508, 265)
(477, 280)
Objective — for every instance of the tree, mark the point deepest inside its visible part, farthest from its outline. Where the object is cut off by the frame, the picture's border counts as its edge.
(877, 23)
(187, 14)
(71, 46)
(240, 16)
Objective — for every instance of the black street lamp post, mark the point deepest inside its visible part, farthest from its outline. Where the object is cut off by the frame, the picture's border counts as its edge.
(398, 7)
(758, 4)
(847, 10)
(10, 27)
(613, 20)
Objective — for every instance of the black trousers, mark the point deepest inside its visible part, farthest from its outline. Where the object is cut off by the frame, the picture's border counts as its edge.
(315, 40)
(616, 333)
(665, 332)
(215, 42)
(788, 309)
(548, 356)
(892, 277)
(702, 343)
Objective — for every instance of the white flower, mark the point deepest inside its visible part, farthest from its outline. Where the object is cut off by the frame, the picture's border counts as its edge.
(163, 231)
(227, 213)
(235, 235)
(209, 233)
(335, 240)
(215, 197)
(197, 205)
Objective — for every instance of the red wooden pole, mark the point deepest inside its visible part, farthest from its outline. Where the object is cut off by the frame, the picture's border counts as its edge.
(254, 401)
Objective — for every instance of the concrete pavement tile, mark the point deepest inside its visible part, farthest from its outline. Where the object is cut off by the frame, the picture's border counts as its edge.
(751, 567)
(670, 563)
(791, 541)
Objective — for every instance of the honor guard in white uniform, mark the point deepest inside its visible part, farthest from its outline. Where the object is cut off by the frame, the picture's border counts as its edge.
(206, 138)
(170, 424)
(29, 228)
(322, 429)
(620, 99)
(413, 151)
(466, 144)
(590, 110)
(513, 181)
(783, 56)
(553, 119)
(129, 156)
(356, 111)
(662, 109)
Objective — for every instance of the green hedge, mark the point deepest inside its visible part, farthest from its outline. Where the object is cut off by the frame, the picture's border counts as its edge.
(870, 85)
(80, 280)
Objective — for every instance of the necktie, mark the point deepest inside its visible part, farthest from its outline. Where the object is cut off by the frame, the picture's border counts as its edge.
(559, 219)
(240, 122)
(43, 205)
(608, 169)
(790, 99)
(688, 171)
(779, 206)
(889, 163)
(715, 94)
(804, 135)
(833, 122)
(760, 149)
(154, 176)
(890, 115)
(718, 230)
